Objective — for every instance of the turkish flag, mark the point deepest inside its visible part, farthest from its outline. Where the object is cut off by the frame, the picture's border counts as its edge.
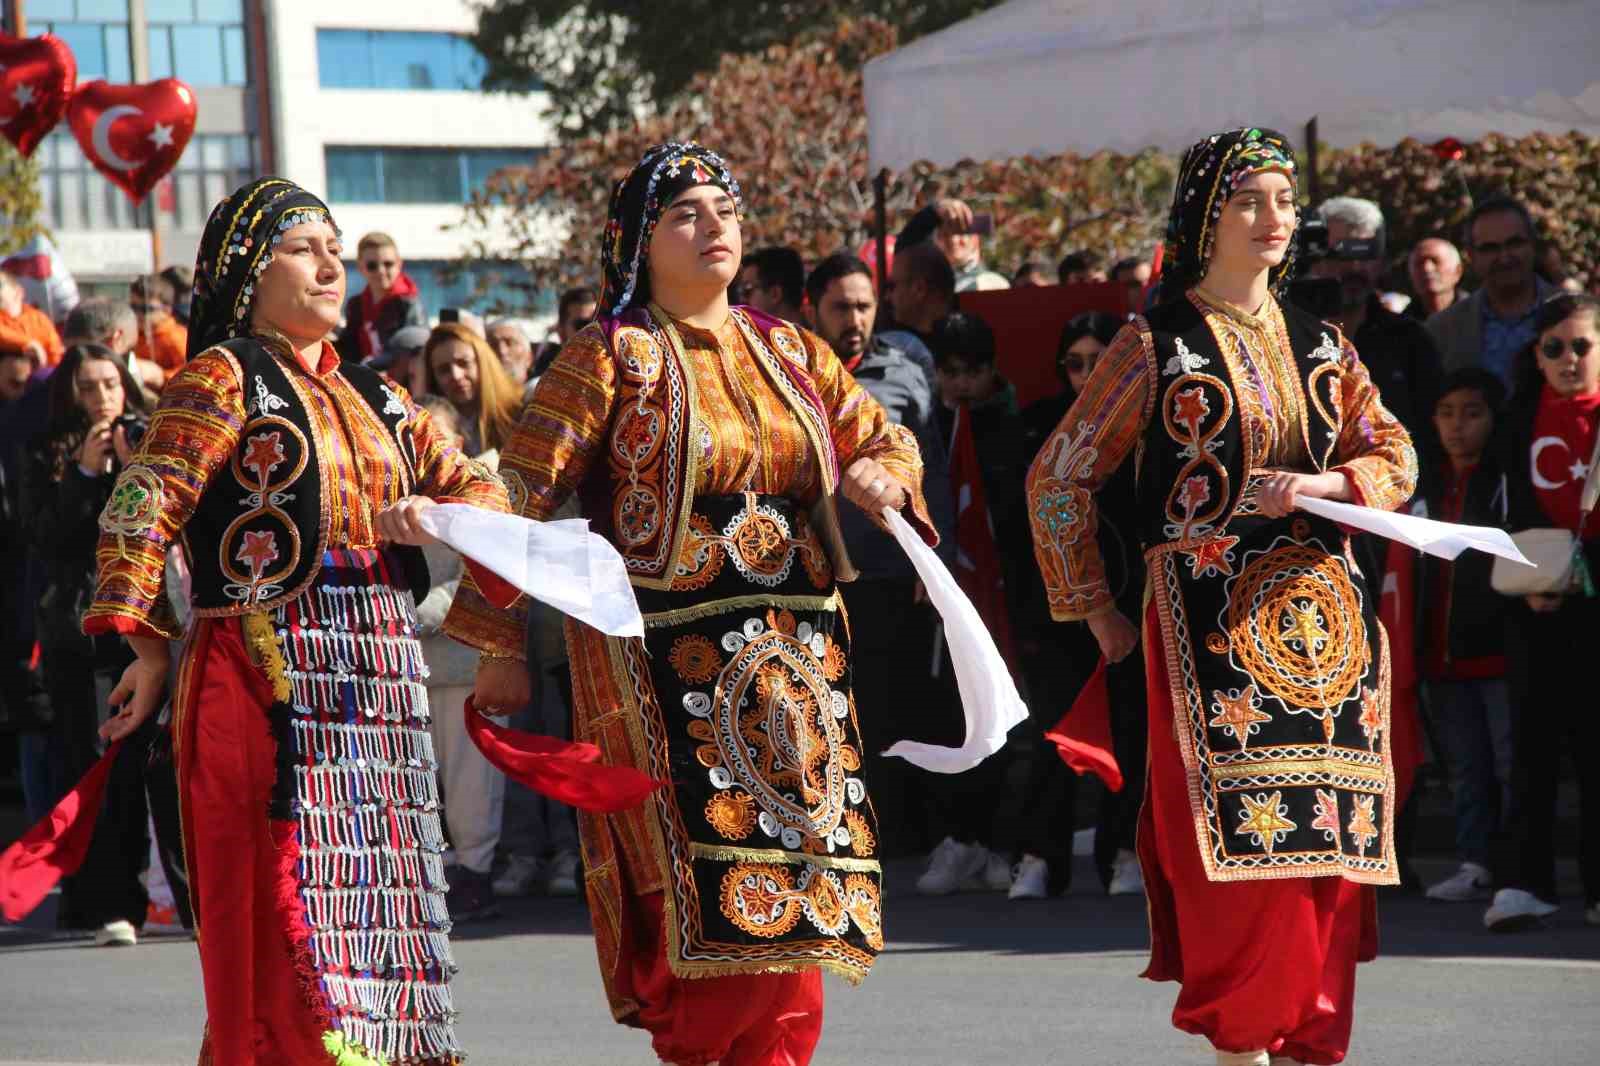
(977, 568)
(1397, 611)
(56, 846)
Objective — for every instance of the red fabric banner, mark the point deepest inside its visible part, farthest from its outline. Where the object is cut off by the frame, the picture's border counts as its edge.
(1083, 735)
(564, 770)
(1396, 609)
(56, 845)
(977, 568)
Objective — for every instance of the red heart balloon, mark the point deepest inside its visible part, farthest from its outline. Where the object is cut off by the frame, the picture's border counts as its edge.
(37, 75)
(133, 134)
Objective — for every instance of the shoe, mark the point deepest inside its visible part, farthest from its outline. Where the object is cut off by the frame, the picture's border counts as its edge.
(563, 878)
(1515, 910)
(1032, 880)
(520, 877)
(951, 864)
(1470, 882)
(1591, 914)
(1126, 877)
(117, 934)
(159, 919)
(1243, 1058)
(994, 876)
(471, 898)
(1083, 842)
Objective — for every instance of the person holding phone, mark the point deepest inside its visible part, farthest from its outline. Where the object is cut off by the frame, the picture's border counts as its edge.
(96, 409)
(959, 233)
(1267, 817)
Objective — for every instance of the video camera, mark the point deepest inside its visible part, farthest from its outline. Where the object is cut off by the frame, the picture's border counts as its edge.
(1320, 296)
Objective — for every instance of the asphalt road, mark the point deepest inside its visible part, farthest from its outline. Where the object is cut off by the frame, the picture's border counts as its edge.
(967, 979)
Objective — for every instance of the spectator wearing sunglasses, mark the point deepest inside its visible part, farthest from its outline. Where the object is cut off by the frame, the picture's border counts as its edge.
(1552, 425)
(161, 340)
(1492, 325)
(390, 301)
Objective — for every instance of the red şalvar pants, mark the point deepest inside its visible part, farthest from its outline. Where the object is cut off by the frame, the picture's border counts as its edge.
(257, 1012)
(1264, 964)
(761, 1019)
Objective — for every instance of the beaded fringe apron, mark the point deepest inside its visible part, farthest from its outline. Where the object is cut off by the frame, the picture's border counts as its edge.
(366, 804)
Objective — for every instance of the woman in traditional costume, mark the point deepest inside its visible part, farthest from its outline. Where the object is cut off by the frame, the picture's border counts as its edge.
(707, 443)
(291, 482)
(1267, 813)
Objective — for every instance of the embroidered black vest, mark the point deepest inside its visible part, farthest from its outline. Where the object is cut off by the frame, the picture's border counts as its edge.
(257, 536)
(1278, 667)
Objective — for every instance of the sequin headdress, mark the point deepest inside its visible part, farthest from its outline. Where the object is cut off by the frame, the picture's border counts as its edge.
(665, 172)
(235, 248)
(1211, 171)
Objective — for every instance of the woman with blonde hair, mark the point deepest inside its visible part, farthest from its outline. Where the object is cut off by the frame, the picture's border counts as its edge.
(460, 366)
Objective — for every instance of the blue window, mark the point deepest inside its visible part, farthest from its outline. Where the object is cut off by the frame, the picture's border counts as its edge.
(415, 175)
(389, 59)
(198, 41)
(95, 30)
(487, 287)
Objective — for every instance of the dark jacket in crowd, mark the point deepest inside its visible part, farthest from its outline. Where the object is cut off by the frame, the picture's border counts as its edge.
(1003, 458)
(1404, 363)
(1460, 618)
(61, 508)
(402, 307)
(899, 383)
(1515, 436)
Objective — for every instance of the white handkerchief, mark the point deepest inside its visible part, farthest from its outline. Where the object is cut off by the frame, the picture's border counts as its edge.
(560, 563)
(988, 695)
(1444, 539)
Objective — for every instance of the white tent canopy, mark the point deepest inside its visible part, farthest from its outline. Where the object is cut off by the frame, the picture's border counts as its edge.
(1037, 77)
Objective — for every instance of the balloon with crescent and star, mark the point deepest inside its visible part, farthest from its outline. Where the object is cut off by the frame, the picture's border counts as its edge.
(133, 134)
(37, 76)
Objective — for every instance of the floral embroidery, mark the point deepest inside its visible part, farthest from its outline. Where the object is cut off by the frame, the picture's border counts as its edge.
(1327, 818)
(695, 659)
(733, 814)
(135, 503)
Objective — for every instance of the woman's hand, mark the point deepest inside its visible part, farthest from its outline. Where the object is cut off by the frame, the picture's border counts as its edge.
(1276, 495)
(98, 447)
(872, 488)
(140, 692)
(1117, 635)
(1544, 603)
(502, 686)
(401, 522)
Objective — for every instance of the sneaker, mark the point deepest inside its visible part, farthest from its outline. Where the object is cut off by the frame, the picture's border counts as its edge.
(1032, 880)
(158, 919)
(520, 877)
(1470, 882)
(1515, 910)
(563, 876)
(471, 898)
(1126, 877)
(1242, 1058)
(951, 864)
(117, 934)
(994, 876)
(1591, 914)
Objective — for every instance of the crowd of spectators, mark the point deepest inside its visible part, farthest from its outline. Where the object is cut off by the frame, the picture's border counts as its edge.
(1491, 364)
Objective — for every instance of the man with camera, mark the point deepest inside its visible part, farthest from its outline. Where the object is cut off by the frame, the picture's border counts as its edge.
(1344, 248)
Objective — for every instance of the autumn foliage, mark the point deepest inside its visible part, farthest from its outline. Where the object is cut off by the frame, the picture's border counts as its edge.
(792, 123)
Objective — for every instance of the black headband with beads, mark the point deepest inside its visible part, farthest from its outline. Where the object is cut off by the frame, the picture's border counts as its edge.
(236, 247)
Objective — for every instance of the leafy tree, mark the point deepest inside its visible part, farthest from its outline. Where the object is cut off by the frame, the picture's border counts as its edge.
(21, 205)
(605, 62)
